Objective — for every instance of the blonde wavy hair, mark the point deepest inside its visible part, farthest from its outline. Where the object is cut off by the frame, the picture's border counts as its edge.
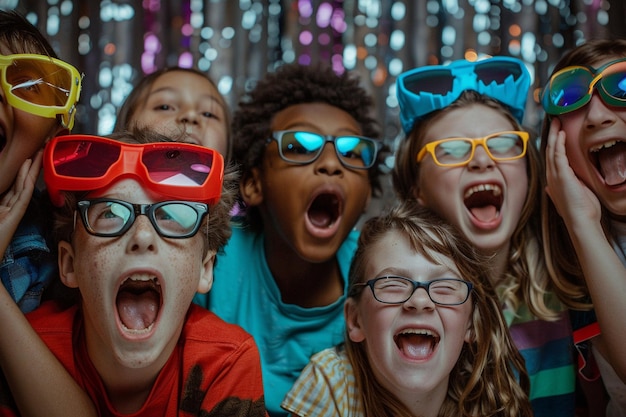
(525, 280)
(484, 381)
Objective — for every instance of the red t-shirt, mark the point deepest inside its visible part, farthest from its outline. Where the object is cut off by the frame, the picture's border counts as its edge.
(214, 369)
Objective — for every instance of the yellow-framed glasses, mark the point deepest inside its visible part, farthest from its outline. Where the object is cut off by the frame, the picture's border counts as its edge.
(41, 85)
(454, 152)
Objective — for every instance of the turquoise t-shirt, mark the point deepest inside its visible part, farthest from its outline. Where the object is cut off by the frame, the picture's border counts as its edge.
(245, 293)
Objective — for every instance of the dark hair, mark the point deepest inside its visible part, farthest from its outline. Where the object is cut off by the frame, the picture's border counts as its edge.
(289, 85)
(21, 36)
(141, 90)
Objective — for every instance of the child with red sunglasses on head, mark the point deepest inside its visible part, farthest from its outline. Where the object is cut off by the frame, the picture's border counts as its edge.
(467, 158)
(303, 140)
(179, 102)
(137, 246)
(584, 208)
(425, 335)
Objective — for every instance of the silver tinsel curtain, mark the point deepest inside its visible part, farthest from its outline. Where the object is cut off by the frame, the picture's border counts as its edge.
(236, 41)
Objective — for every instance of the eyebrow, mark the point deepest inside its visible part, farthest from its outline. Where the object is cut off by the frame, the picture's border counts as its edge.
(173, 90)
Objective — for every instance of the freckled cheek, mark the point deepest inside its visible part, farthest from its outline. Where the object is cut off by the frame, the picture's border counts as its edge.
(185, 276)
(96, 275)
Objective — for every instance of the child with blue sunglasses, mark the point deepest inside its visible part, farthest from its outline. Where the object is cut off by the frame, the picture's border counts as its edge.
(584, 208)
(306, 144)
(467, 158)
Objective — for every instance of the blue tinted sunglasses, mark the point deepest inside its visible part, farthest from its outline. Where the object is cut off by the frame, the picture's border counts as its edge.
(572, 87)
(298, 147)
(426, 89)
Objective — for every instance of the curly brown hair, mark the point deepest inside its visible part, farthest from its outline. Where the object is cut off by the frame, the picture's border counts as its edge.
(289, 85)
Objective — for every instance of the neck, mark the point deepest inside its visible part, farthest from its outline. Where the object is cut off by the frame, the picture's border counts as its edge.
(302, 282)
(498, 263)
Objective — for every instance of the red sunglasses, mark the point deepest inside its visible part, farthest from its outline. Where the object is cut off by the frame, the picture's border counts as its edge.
(174, 169)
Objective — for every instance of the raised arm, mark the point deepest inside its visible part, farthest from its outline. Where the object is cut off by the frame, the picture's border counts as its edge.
(27, 363)
(604, 272)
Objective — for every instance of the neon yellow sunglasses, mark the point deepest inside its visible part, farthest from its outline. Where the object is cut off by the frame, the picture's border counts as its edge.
(41, 85)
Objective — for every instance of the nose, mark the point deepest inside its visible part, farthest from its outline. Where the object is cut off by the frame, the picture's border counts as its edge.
(188, 115)
(143, 236)
(481, 160)
(598, 113)
(328, 162)
(419, 300)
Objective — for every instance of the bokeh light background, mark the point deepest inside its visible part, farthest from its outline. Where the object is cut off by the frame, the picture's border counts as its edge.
(236, 41)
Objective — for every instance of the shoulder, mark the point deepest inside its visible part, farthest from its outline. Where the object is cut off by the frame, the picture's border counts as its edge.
(203, 326)
(52, 315)
(325, 387)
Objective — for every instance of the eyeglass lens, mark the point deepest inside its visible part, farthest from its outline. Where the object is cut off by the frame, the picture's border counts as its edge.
(107, 217)
(39, 81)
(165, 165)
(502, 146)
(497, 72)
(305, 147)
(572, 87)
(396, 290)
(441, 81)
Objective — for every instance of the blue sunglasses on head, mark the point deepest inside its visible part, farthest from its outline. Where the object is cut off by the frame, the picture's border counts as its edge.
(426, 89)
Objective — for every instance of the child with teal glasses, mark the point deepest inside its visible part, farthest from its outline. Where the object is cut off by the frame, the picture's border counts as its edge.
(306, 143)
(584, 209)
(467, 157)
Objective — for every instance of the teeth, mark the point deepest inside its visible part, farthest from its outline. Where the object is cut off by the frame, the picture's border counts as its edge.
(484, 187)
(136, 331)
(603, 145)
(139, 278)
(422, 332)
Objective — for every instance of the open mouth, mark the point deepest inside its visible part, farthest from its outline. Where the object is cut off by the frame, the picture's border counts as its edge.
(418, 344)
(324, 210)
(138, 303)
(3, 142)
(609, 159)
(484, 201)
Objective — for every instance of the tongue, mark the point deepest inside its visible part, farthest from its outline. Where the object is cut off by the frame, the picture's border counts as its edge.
(485, 213)
(613, 164)
(138, 311)
(415, 346)
(320, 218)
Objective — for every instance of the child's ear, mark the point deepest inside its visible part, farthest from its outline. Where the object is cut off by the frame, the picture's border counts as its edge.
(353, 324)
(417, 193)
(251, 189)
(66, 265)
(206, 274)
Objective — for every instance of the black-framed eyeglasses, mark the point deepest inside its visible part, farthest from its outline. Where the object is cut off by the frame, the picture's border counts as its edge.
(299, 147)
(108, 217)
(397, 290)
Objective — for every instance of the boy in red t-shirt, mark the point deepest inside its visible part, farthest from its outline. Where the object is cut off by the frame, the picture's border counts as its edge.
(136, 241)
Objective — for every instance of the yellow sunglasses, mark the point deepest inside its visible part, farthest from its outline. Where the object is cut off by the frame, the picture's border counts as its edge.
(41, 85)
